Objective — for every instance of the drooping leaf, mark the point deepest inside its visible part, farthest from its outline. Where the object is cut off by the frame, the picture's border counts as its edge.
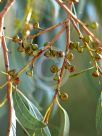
(66, 120)
(28, 114)
(81, 72)
(99, 116)
(23, 114)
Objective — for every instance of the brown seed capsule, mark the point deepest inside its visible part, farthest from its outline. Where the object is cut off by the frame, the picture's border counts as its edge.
(98, 57)
(96, 73)
(63, 96)
(99, 50)
(28, 50)
(16, 39)
(54, 68)
(71, 68)
(16, 80)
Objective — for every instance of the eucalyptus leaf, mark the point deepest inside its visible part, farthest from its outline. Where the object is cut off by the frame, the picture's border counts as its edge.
(28, 114)
(99, 116)
(26, 118)
(66, 125)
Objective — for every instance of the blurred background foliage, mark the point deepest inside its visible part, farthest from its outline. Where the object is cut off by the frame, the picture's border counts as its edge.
(83, 90)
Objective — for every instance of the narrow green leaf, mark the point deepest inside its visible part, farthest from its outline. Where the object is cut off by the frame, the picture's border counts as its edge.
(99, 116)
(81, 72)
(66, 120)
(28, 115)
(25, 117)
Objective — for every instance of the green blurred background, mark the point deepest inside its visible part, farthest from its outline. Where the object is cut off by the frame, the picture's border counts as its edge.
(83, 90)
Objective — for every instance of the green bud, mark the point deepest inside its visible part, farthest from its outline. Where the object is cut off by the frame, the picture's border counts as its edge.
(54, 68)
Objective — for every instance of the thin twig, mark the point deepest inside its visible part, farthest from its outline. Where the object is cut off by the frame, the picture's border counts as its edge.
(41, 51)
(6, 61)
(46, 30)
(68, 11)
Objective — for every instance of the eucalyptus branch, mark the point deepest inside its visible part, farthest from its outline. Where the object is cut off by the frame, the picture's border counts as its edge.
(67, 10)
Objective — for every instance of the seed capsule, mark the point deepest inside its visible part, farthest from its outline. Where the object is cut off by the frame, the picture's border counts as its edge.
(99, 50)
(54, 68)
(12, 72)
(46, 43)
(71, 68)
(21, 48)
(28, 50)
(70, 56)
(34, 46)
(74, 45)
(16, 80)
(98, 56)
(80, 49)
(96, 73)
(63, 96)
(47, 53)
(56, 77)
(36, 25)
(16, 39)
(94, 25)
(87, 39)
(30, 73)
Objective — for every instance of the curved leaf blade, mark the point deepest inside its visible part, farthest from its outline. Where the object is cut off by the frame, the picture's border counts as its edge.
(66, 120)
